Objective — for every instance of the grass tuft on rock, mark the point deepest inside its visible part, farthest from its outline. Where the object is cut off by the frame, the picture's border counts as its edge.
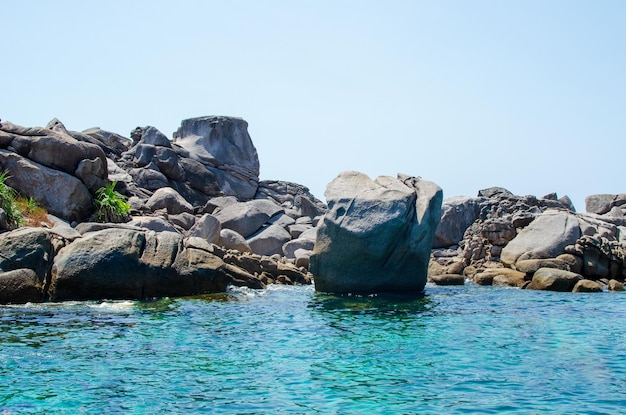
(8, 203)
(111, 206)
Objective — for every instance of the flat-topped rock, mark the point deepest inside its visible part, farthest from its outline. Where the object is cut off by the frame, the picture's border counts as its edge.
(225, 147)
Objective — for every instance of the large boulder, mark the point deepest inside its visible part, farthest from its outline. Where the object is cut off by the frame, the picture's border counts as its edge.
(225, 147)
(457, 214)
(207, 228)
(169, 199)
(377, 234)
(269, 240)
(61, 194)
(29, 248)
(603, 203)
(246, 218)
(546, 237)
(127, 264)
(20, 286)
(552, 279)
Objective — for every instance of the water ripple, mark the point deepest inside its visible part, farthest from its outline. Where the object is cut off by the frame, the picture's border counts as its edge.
(287, 350)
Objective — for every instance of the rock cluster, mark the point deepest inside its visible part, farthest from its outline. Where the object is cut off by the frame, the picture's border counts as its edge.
(202, 188)
(126, 262)
(536, 243)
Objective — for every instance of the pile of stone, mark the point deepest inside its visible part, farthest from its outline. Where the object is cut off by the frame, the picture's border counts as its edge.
(537, 243)
(199, 192)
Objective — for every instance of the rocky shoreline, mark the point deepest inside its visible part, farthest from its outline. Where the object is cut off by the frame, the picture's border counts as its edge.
(201, 220)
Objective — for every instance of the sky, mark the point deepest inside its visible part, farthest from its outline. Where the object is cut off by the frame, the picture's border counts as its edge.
(528, 95)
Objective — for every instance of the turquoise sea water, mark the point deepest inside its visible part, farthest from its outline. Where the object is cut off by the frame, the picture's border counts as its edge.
(287, 350)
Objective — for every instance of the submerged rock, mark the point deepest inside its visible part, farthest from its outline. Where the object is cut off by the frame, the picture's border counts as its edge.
(376, 235)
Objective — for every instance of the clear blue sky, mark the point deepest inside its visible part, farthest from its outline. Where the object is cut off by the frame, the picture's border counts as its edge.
(529, 95)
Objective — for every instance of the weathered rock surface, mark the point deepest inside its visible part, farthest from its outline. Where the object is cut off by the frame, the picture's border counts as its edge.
(224, 146)
(246, 218)
(30, 248)
(170, 200)
(376, 235)
(269, 240)
(208, 228)
(603, 203)
(232, 240)
(126, 264)
(61, 194)
(546, 237)
(554, 280)
(457, 214)
(20, 286)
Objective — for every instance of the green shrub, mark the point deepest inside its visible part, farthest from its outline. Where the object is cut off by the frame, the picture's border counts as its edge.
(111, 206)
(8, 202)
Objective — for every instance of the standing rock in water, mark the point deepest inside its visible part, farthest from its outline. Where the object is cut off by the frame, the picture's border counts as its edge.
(377, 234)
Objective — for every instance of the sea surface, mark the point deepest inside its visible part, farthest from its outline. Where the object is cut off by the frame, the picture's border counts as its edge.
(288, 350)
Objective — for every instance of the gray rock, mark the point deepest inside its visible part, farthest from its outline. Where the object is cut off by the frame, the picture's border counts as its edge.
(553, 280)
(27, 248)
(232, 240)
(151, 135)
(184, 220)
(167, 161)
(269, 241)
(208, 228)
(63, 229)
(377, 235)
(148, 178)
(152, 223)
(61, 194)
(285, 221)
(290, 247)
(291, 196)
(199, 177)
(457, 214)
(20, 286)
(86, 227)
(599, 204)
(494, 192)
(153, 265)
(224, 144)
(116, 143)
(219, 202)
(169, 199)
(92, 173)
(546, 237)
(54, 149)
(303, 257)
(246, 218)
(297, 229)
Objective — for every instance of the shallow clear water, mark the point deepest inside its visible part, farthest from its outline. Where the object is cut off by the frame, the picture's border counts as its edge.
(458, 350)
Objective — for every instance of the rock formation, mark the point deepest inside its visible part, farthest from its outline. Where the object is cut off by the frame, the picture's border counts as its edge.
(377, 234)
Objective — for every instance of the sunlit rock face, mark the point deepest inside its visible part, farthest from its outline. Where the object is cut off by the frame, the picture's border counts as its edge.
(377, 234)
(224, 146)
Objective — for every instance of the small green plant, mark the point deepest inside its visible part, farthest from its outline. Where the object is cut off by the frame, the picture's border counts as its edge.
(111, 206)
(8, 202)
